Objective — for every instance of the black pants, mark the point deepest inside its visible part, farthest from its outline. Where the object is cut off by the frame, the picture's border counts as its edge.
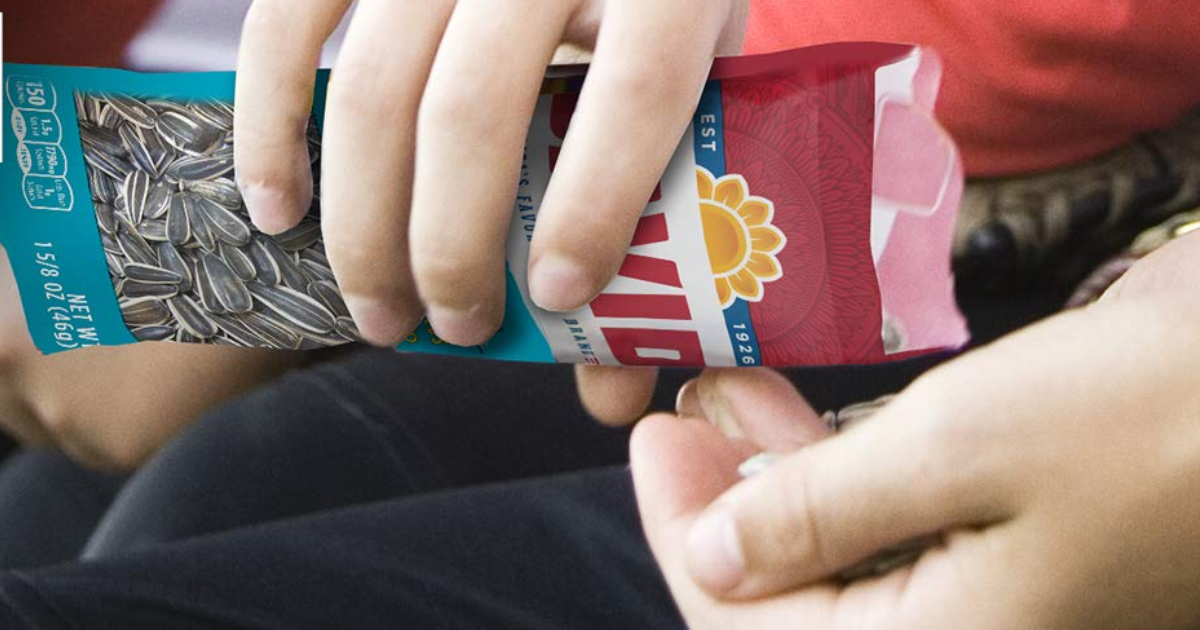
(482, 497)
(393, 492)
(49, 507)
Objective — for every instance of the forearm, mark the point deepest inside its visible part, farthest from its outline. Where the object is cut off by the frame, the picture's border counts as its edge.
(113, 408)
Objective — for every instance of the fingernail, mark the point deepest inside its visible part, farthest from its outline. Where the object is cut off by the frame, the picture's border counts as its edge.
(379, 322)
(687, 403)
(717, 407)
(758, 464)
(714, 550)
(462, 327)
(268, 207)
(557, 283)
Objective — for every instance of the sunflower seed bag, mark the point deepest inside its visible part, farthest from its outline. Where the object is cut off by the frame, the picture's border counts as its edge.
(768, 241)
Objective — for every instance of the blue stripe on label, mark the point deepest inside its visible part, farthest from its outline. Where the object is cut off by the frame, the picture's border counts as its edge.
(47, 222)
(741, 334)
(710, 130)
(710, 154)
(518, 339)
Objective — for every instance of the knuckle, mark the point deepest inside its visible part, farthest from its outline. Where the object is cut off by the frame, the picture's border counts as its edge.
(260, 170)
(269, 144)
(601, 254)
(454, 278)
(362, 268)
(644, 82)
(457, 112)
(367, 91)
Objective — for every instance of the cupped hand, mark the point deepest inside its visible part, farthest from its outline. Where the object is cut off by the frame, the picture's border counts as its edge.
(1060, 466)
(428, 109)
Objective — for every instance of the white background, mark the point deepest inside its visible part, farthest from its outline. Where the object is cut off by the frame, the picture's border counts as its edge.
(200, 35)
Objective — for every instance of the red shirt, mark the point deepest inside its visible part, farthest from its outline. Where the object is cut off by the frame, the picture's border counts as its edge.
(1029, 84)
(72, 32)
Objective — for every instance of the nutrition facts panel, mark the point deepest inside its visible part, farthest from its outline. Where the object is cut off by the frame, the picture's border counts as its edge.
(39, 152)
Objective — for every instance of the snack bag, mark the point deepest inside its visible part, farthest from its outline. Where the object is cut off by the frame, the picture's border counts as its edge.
(793, 226)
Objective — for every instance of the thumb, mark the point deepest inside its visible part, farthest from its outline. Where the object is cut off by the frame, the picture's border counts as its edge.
(838, 502)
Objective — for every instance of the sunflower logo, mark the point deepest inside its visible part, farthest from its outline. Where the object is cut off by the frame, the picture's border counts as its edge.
(741, 241)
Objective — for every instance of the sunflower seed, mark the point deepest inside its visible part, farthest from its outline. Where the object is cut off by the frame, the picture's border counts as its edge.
(190, 318)
(320, 342)
(97, 138)
(81, 108)
(133, 110)
(135, 247)
(94, 108)
(200, 227)
(316, 272)
(107, 117)
(145, 312)
(204, 290)
(137, 187)
(221, 191)
(230, 291)
(224, 224)
(238, 260)
(223, 151)
(315, 255)
(162, 106)
(145, 149)
(238, 330)
(171, 260)
(215, 113)
(110, 245)
(299, 309)
(266, 268)
(187, 134)
(273, 335)
(184, 336)
(105, 218)
(149, 274)
(179, 225)
(153, 333)
(158, 202)
(329, 296)
(111, 165)
(199, 167)
(116, 266)
(102, 186)
(121, 216)
(347, 329)
(153, 230)
(304, 235)
(289, 272)
(137, 290)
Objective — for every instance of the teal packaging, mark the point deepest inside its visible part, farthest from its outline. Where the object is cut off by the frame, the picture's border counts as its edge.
(768, 241)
